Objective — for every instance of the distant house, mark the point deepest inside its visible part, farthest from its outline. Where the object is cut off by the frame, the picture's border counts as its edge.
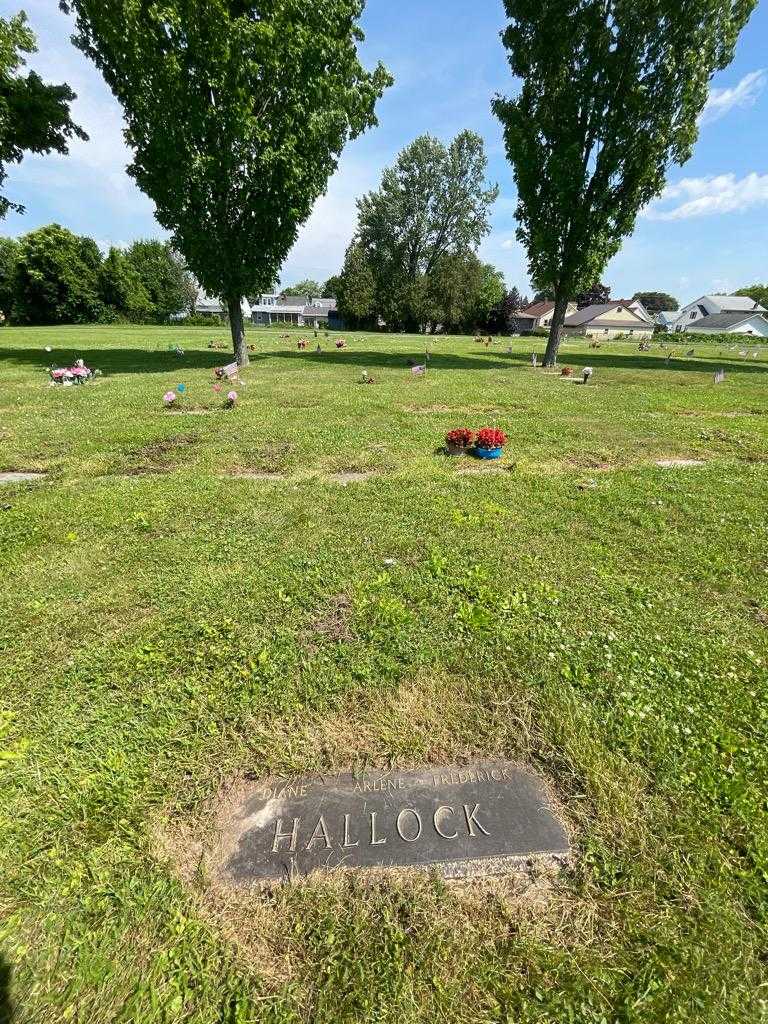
(755, 324)
(667, 318)
(690, 316)
(302, 310)
(608, 320)
(539, 315)
(637, 307)
(205, 305)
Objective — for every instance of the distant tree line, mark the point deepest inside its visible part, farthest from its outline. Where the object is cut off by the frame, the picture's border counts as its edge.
(52, 276)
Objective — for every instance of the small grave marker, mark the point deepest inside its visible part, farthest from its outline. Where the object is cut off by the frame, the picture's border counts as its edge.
(483, 819)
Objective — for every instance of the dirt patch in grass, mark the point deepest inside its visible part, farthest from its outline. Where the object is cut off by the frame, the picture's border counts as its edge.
(249, 474)
(21, 476)
(678, 463)
(157, 456)
(351, 476)
(333, 623)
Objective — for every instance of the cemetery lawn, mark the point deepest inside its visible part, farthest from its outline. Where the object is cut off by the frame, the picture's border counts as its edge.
(190, 598)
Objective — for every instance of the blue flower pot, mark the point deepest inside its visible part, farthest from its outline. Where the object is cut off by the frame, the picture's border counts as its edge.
(489, 453)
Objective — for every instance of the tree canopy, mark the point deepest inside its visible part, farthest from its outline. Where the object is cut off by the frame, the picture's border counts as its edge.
(611, 93)
(236, 114)
(655, 302)
(34, 117)
(426, 219)
(305, 287)
(52, 276)
(758, 292)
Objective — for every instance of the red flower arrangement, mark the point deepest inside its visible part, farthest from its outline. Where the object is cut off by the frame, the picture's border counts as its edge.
(490, 438)
(566, 371)
(460, 438)
(341, 343)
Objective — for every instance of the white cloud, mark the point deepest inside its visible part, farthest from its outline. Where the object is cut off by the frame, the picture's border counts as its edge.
(508, 243)
(743, 94)
(702, 197)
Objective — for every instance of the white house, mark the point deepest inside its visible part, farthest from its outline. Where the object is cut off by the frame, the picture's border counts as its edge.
(205, 304)
(667, 319)
(302, 310)
(608, 320)
(754, 324)
(690, 316)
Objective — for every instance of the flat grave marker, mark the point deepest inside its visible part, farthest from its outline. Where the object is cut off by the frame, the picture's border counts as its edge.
(487, 818)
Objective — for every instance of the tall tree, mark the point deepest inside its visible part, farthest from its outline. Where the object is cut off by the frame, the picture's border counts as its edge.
(57, 278)
(611, 93)
(121, 289)
(655, 302)
(236, 112)
(434, 202)
(34, 117)
(356, 288)
(331, 287)
(9, 258)
(595, 295)
(163, 276)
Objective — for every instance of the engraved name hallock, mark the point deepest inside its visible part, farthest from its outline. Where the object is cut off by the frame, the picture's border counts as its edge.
(409, 824)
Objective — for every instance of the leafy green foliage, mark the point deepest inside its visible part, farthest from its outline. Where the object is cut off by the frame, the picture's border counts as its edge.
(52, 276)
(236, 114)
(356, 288)
(611, 93)
(427, 218)
(306, 287)
(57, 278)
(758, 292)
(34, 117)
(656, 302)
(594, 296)
(163, 276)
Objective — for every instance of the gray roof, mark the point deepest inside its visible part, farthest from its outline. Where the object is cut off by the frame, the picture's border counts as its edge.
(319, 309)
(735, 303)
(584, 316)
(722, 321)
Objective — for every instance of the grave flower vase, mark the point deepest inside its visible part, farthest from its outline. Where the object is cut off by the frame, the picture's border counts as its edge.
(489, 453)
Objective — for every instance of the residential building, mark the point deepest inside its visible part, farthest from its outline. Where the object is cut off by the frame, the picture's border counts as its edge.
(608, 320)
(206, 305)
(714, 305)
(302, 310)
(667, 319)
(755, 324)
(539, 315)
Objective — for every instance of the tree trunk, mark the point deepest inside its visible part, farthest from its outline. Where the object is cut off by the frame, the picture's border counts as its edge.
(558, 316)
(237, 328)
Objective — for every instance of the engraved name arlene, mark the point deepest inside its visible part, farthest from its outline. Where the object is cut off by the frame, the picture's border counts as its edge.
(479, 816)
(409, 825)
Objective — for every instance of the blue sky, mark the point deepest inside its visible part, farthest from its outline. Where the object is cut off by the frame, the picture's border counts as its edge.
(708, 233)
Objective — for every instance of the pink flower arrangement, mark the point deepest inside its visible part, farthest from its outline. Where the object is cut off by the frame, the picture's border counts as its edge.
(77, 374)
(169, 398)
(231, 399)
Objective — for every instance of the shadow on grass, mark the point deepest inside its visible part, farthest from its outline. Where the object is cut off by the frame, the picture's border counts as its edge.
(520, 360)
(6, 1009)
(120, 360)
(137, 360)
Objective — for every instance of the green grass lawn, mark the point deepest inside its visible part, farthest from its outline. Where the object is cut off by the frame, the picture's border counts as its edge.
(170, 623)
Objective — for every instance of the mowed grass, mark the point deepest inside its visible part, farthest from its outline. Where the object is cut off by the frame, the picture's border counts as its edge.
(170, 622)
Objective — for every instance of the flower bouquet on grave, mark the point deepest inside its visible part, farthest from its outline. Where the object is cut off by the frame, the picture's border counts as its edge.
(489, 443)
(459, 441)
(566, 371)
(231, 400)
(341, 343)
(77, 374)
